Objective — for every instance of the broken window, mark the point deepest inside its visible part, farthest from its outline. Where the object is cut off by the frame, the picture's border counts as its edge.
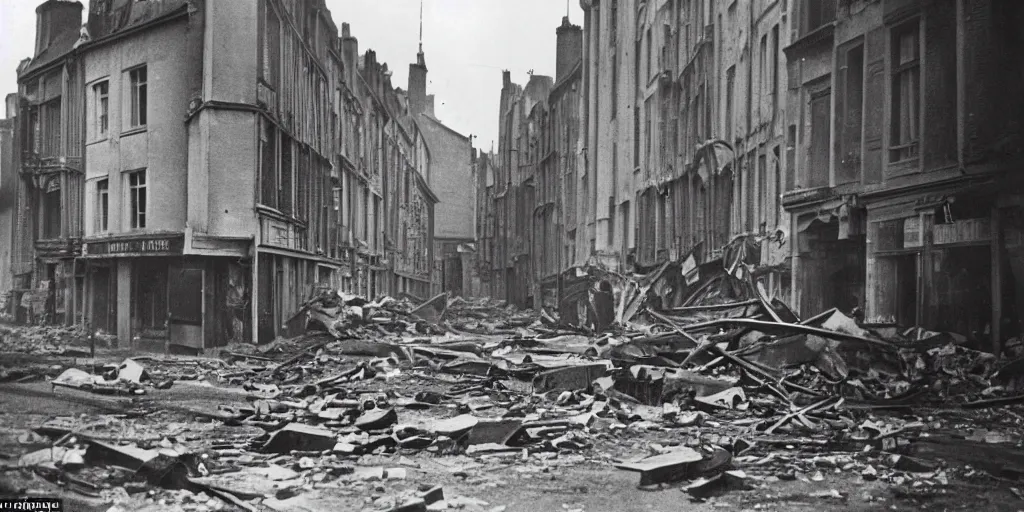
(102, 205)
(137, 199)
(906, 94)
(138, 95)
(100, 93)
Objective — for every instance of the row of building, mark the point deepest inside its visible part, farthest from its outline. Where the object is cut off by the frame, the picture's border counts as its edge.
(873, 147)
(192, 171)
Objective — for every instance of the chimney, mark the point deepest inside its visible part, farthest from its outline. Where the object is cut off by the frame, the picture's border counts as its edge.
(430, 106)
(506, 79)
(56, 17)
(569, 48)
(418, 86)
(12, 105)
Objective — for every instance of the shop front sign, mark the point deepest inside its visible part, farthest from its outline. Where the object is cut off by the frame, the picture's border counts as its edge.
(150, 246)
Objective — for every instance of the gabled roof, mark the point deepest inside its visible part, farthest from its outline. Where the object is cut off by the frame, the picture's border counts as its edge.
(434, 120)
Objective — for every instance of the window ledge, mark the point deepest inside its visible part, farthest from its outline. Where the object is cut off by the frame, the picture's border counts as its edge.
(97, 141)
(133, 131)
(809, 39)
(903, 167)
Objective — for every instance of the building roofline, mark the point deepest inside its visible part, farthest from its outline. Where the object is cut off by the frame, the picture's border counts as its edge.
(442, 125)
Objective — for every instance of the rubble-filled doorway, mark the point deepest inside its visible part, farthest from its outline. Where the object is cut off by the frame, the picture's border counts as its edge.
(832, 270)
(960, 298)
(897, 283)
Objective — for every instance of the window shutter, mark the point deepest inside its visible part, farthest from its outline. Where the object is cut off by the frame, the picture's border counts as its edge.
(874, 88)
(839, 115)
(940, 139)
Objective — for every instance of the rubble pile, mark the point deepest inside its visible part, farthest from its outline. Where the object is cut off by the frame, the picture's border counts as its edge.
(40, 339)
(709, 386)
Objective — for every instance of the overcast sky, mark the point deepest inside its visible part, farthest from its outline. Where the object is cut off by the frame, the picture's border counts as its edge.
(467, 44)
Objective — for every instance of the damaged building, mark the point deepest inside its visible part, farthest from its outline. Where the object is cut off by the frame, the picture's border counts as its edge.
(904, 188)
(831, 147)
(675, 149)
(136, 133)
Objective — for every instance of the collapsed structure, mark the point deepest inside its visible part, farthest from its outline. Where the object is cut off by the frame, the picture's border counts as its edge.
(872, 146)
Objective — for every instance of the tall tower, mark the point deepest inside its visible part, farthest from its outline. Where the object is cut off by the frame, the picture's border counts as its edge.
(418, 77)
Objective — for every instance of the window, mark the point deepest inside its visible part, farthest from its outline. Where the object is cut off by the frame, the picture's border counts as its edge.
(611, 221)
(762, 190)
(906, 94)
(615, 82)
(626, 226)
(777, 190)
(750, 190)
(647, 137)
(763, 79)
(818, 171)
(35, 130)
(773, 73)
(100, 93)
(818, 13)
(271, 65)
(137, 200)
(268, 164)
(636, 138)
(102, 205)
(650, 41)
(284, 185)
(51, 128)
(730, 87)
(139, 97)
(52, 210)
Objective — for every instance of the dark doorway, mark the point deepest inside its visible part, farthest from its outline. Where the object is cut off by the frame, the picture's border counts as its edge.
(265, 327)
(104, 291)
(149, 297)
(906, 289)
(185, 309)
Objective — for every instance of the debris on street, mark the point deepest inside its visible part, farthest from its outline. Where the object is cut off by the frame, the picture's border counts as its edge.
(713, 389)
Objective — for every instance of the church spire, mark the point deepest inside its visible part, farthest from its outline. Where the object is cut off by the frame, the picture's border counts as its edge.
(421, 27)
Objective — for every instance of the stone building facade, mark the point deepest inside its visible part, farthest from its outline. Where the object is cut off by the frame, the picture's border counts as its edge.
(872, 147)
(906, 185)
(198, 169)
